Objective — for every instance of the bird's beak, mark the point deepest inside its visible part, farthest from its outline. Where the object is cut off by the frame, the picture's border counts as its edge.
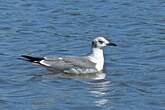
(111, 44)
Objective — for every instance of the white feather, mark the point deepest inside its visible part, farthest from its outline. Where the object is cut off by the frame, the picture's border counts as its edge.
(97, 57)
(44, 63)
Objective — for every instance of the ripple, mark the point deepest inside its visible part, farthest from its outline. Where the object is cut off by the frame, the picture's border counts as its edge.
(134, 70)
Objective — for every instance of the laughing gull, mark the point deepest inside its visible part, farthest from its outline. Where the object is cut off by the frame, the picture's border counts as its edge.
(91, 63)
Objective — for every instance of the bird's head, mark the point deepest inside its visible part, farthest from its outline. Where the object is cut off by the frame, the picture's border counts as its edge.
(101, 42)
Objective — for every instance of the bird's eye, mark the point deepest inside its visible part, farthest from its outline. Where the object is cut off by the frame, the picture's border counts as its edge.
(101, 42)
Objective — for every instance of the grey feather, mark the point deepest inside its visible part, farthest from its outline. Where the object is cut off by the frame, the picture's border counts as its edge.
(70, 64)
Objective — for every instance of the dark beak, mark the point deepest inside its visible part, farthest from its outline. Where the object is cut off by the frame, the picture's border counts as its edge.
(111, 44)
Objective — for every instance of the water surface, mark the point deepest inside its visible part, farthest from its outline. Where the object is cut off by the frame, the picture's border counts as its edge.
(134, 70)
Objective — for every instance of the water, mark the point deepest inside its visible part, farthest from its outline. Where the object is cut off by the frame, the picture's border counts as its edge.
(134, 70)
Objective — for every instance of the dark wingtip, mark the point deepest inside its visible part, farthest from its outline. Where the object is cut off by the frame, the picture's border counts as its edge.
(24, 57)
(31, 58)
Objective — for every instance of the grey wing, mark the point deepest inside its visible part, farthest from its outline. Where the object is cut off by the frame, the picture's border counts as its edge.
(56, 63)
(70, 64)
(80, 65)
(81, 62)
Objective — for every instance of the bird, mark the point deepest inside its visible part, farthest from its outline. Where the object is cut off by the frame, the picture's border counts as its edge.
(90, 63)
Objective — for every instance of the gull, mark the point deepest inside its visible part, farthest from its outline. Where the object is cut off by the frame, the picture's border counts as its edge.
(91, 63)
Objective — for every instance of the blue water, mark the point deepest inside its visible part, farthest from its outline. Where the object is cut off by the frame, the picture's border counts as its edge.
(135, 69)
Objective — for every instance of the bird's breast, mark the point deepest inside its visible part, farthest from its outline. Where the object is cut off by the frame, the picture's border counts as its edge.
(99, 61)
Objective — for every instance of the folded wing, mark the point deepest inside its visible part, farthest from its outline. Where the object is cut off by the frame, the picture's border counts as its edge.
(70, 64)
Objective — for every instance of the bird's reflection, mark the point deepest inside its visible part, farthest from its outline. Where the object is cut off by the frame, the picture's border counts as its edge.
(92, 76)
(100, 91)
(98, 86)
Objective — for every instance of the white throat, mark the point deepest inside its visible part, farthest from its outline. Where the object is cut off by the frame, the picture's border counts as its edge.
(97, 57)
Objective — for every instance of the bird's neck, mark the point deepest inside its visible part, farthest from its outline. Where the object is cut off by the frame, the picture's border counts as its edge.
(97, 57)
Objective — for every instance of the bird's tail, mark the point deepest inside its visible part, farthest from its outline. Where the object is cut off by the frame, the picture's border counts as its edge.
(31, 58)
